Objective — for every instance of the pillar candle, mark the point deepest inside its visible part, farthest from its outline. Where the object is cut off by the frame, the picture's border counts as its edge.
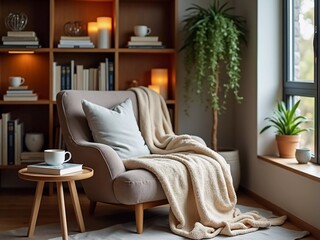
(104, 32)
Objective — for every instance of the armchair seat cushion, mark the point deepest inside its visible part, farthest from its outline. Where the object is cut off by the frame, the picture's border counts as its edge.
(137, 186)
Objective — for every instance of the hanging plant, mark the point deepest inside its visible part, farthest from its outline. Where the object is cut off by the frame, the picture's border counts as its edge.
(213, 38)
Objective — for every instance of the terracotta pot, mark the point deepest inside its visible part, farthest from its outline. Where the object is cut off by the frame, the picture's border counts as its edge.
(287, 145)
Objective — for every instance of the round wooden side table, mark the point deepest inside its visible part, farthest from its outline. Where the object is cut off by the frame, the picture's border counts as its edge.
(58, 179)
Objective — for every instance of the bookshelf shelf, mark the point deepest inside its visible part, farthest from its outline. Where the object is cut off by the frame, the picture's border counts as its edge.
(47, 19)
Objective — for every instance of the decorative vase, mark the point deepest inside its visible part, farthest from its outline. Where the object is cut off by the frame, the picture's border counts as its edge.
(232, 158)
(34, 141)
(287, 145)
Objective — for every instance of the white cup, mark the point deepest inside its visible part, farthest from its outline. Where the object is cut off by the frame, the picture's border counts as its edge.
(16, 81)
(303, 155)
(141, 30)
(56, 156)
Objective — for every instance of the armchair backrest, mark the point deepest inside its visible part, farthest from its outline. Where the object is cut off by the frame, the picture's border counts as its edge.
(78, 138)
(72, 117)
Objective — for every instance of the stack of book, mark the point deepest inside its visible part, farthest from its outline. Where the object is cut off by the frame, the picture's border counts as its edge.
(44, 168)
(79, 77)
(11, 139)
(21, 39)
(145, 42)
(31, 157)
(21, 93)
(75, 42)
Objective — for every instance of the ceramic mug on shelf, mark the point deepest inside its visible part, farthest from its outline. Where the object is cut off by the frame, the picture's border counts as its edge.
(16, 81)
(303, 155)
(56, 157)
(141, 30)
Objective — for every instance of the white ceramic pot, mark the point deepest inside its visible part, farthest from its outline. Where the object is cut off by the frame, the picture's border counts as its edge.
(34, 141)
(232, 158)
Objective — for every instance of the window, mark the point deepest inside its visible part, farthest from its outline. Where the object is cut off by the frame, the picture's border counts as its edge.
(301, 68)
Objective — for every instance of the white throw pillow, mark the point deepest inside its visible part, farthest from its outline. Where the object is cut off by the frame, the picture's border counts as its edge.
(116, 127)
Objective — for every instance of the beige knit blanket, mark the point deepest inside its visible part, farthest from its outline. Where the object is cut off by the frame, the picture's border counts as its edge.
(195, 179)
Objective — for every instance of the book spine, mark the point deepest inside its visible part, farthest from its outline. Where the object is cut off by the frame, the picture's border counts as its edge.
(5, 118)
(111, 76)
(68, 77)
(11, 142)
(63, 77)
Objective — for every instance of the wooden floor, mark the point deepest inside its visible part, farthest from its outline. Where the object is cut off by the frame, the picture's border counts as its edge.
(15, 209)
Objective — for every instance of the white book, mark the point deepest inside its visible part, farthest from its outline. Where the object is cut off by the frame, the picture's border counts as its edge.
(20, 42)
(75, 42)
(58, 79)
(54, 83)
(79, 70)
(62, 169)
(5, 118)
(87, 45)
(86, 79)
(20, 97)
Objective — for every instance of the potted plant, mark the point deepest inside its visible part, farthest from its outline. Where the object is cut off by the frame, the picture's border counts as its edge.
(212, 44)
(288, 128)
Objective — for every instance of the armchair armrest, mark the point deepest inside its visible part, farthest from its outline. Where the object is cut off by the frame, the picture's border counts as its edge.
(106, 164)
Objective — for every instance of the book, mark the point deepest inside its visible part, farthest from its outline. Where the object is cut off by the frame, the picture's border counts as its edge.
(144, 39)
(32, 155)
(20, 42)
(19, 141)
(19, 38)
(146, 46)
(21, 33)
(5, 118)
(11, 135)
(156, 43)
(20, 97)
(19, 91)
(75, 38)
(18, 88)
(20, 46)
(76, 42)
(111, 76)
(86, 45)
(62, 169)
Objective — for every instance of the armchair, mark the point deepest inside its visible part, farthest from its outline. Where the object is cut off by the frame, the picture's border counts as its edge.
(111, 183)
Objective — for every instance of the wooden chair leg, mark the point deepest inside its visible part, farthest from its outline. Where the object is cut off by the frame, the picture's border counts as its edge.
(92, 206)
(139, 217)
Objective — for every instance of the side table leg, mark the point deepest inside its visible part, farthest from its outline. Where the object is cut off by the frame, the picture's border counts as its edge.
(62, 211)
(35, 208)
(76, 205)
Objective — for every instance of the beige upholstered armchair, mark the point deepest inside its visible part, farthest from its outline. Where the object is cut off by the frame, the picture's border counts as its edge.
(111, 183)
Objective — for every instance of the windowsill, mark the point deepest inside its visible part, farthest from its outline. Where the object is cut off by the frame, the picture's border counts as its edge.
(309, 170)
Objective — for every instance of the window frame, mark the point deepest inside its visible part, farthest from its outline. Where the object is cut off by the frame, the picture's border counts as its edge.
(305, 89)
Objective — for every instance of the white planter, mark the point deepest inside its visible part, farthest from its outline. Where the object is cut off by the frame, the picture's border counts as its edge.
(232, 158)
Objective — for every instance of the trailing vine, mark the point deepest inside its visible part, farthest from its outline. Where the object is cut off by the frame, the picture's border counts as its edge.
(213, 39)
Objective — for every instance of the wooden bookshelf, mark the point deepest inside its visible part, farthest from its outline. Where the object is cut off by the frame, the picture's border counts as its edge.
(47, 18)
